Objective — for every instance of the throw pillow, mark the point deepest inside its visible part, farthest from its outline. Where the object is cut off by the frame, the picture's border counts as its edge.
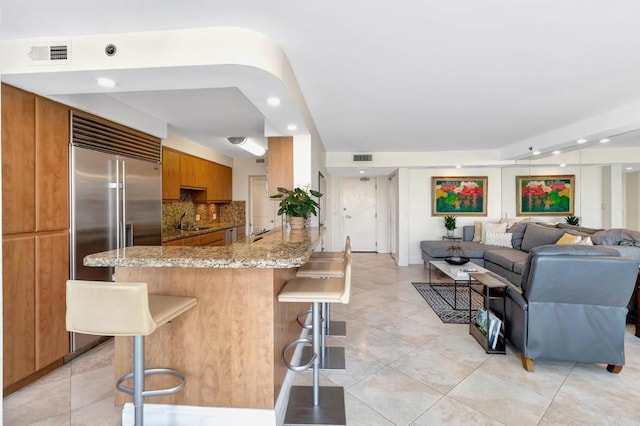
(517, 233)
(491, 227)
(586, 241)
(539, 235)
(500, 239)
(510, 221)
(477, 232)
(568, 239)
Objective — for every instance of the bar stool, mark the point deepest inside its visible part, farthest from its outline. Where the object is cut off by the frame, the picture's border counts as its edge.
(332, 328)
(327, 402)
(331, 256)
(126, 309)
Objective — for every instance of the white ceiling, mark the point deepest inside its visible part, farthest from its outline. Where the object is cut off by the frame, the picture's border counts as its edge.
(398, 75)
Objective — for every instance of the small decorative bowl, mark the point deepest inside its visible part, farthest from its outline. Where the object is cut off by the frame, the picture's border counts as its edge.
(456, 260)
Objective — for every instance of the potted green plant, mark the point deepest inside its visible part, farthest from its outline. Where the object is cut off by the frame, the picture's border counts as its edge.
(450, 224)
(572, 220)
(297, 205)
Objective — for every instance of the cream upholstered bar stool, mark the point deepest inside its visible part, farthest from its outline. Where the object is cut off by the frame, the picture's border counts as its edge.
(315, 404)
(331, 256)
(126, 309)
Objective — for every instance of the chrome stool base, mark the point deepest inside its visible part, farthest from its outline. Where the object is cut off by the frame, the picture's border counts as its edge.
(333, 359)
(330, 410)
(337, 329)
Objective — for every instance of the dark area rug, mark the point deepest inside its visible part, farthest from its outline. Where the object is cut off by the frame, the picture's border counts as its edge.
(441, 299)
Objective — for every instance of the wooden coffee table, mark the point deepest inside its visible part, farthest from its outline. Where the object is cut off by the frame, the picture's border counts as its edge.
(455, 272)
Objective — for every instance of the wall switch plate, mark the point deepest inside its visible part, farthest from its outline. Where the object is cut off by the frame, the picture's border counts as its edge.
(197, 217)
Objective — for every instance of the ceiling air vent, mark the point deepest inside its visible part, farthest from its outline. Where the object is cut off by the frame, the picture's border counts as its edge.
(259, 160)
(362, 157)
(46, 54)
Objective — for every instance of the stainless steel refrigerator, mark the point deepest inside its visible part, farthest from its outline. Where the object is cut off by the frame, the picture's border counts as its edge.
(116, 202)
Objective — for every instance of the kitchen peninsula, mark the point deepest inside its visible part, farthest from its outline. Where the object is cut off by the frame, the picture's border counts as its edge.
(229, 346)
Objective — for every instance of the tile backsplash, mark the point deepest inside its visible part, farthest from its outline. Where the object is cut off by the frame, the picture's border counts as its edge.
(233, 212)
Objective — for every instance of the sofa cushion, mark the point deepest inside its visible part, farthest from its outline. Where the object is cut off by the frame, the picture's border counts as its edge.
(537, 235)
(440, 249)
(517, 232)
(507, 258)
(582, 229)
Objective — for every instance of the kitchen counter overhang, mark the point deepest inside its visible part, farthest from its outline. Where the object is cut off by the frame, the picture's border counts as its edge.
(276, 249)
(230, 345)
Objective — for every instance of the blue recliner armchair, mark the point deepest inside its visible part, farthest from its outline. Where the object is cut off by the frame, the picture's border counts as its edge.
(573, 305)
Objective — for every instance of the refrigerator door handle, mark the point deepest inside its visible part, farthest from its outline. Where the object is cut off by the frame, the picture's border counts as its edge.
(125, 239)
(118, 204)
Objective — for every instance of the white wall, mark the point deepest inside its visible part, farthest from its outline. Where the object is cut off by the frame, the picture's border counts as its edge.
(179, 143)
(242, 169)
(632, 192)
(423, 226)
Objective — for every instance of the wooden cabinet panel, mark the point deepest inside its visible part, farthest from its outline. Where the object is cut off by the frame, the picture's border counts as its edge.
(211, 239)
(280, 160)
(52, 165)
(177, 243)
(18, 160)
(241, 231)
(219, 188)
(52, 273)
(18, 292)
(170, 174)
(193, 172)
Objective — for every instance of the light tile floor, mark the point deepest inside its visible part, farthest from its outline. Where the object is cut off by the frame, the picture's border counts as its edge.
(404, 367)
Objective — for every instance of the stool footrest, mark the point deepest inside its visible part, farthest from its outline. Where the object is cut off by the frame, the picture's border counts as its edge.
(153, 392)
(302, 318)
(298, 368)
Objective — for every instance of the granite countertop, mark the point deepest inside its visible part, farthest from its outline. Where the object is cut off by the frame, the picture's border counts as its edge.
(176, 234)
(275, 249)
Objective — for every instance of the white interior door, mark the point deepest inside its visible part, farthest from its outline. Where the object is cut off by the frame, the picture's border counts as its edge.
(393, 215)
(263, 209)
(359, 213)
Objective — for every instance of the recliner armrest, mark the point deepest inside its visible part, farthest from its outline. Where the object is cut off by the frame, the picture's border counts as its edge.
(517, 297)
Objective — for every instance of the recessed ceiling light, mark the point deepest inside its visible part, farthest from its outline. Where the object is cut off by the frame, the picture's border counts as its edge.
(292, 127)
(629, 168)
(581, 140)
(458, 166)
(556, 152)
(105, 82)
(604, 140)
(361, 171)
(563, 165)
(273, 101)
(536, 152)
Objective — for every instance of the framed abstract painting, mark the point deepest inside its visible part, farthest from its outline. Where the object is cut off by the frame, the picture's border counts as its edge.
(545, 195)
(463, 196)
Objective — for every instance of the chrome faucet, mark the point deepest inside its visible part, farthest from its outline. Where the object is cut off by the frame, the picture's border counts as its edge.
(181, 218)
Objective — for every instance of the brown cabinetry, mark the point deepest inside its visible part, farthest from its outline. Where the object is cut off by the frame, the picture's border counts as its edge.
(18, 293)
(170, 174)
(35, 173)
(280, 158)
(211, 182)
(18, 160)
(52, 273)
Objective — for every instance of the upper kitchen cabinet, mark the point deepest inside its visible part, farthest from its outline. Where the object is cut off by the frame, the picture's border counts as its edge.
(35, 163)
(170, 174)
(52, 165)
(280, 160)
(18, 160)
(193, 172)
(219, 188)
(211, 182)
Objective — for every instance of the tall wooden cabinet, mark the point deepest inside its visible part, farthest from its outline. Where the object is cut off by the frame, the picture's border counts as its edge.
(170, 174)
(280, 158)
(35, 195)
